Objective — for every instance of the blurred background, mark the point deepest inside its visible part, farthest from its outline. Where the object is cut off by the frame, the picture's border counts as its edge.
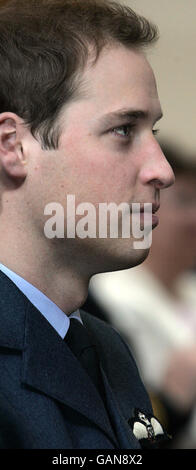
(154, 305)
(173, 60)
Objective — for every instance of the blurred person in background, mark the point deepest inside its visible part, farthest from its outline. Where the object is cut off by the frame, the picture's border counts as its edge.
(160, 327)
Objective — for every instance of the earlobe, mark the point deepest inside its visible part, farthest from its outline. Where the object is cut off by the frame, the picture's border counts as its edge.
(14, 163)
(12, 157)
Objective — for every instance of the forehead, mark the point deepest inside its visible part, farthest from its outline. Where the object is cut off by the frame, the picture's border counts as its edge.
(120, 78)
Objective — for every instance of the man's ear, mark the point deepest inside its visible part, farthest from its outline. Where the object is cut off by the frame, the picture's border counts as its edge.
(12, 158)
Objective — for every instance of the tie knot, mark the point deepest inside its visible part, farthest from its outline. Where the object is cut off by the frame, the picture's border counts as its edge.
(78, 338)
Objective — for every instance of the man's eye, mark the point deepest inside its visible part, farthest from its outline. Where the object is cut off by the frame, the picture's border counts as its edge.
(123, 131)
(126, 130)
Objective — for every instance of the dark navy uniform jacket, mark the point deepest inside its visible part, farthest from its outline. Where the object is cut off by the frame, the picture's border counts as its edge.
(47, 400)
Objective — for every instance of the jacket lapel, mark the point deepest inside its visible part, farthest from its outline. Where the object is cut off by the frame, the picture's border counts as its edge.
(49, 366)
(124, 390)
(124, 434)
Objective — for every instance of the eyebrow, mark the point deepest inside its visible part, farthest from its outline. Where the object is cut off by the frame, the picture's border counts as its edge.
(128, 114)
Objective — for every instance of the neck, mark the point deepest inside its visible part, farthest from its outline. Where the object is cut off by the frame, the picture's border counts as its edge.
(60, 279)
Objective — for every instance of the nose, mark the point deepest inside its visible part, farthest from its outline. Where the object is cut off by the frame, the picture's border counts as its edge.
(156, 169)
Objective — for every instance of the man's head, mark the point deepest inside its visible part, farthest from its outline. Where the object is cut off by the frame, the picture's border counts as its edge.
(78, 103)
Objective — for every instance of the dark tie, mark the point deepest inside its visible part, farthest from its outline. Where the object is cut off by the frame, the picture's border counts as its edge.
(83, 347)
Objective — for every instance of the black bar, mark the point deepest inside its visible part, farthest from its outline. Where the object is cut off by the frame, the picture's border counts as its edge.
(88, 459)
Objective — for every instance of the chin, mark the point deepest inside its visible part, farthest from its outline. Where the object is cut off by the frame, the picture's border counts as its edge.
(125, 261)
(116, 256)
(140, 256)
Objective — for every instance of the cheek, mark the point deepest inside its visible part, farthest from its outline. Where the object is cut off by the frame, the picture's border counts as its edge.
(108, 182)
(97, 176)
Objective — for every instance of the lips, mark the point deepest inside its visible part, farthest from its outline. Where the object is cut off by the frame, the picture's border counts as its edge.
(147, 207)
(147, 213)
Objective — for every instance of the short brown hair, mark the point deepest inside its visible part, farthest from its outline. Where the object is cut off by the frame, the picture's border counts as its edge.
(44, 44)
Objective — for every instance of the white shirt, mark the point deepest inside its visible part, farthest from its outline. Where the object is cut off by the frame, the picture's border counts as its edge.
(53, 314)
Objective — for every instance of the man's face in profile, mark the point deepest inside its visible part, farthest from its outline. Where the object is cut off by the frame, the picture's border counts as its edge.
(107, 151)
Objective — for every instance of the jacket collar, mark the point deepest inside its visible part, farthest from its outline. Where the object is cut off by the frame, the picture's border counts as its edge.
(48, 362)
(46, 359)
(13, 308)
